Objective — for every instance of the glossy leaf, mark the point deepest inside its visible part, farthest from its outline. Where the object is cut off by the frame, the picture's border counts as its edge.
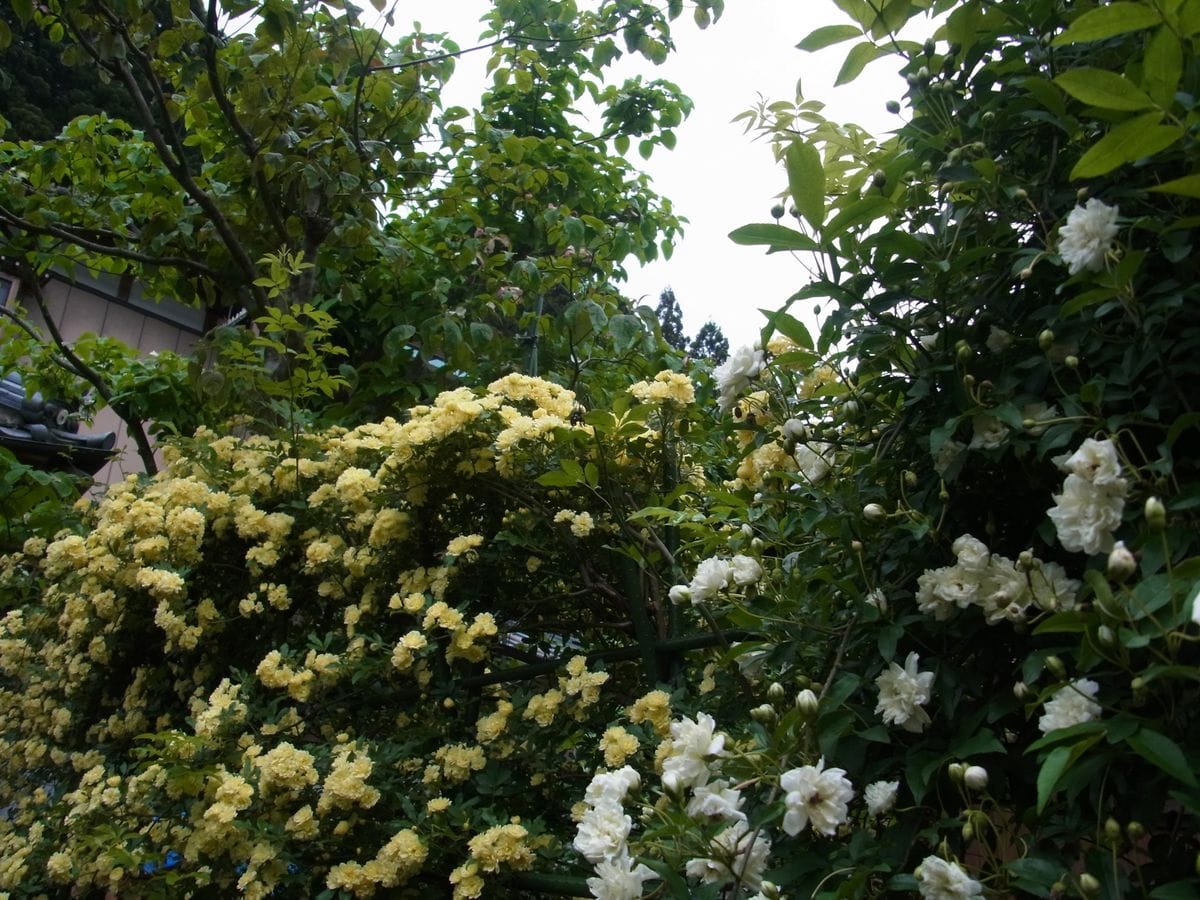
(1107, 90)
(1108, 21)
(1141, 136)
(806, 181)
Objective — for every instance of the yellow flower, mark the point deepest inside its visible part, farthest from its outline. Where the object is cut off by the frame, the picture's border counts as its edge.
(501, 845)
(617, 744)
(655, 708)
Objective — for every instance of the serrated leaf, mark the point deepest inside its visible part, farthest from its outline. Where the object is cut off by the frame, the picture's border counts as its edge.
(856, 61)
(1107, 21)
(1161, 751)
(1132, 139)
(827, 36)
(806, 181)
(777, 237)
(1105, 89)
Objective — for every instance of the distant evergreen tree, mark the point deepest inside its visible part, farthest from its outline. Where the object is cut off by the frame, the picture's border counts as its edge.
(39, 94)
(710, 343)
(670, 316)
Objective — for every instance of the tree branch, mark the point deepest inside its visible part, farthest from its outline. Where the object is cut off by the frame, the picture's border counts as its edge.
(70, 235)
(88, 374)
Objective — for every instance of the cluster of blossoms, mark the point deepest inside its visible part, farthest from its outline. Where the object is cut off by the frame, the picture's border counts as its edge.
(1091, 504)
(667, 387)
(603, 833)
(714, 575)
(1001, 588)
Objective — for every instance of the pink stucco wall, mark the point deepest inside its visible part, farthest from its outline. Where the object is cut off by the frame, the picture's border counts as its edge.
(92, 304)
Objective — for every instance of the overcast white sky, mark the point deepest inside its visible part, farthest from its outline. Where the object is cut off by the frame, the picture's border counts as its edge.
(717, 177)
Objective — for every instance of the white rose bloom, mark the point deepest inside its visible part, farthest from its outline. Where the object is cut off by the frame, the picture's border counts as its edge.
(902, 693)
(1085, 515)
(948, 454)
(735, 374)
(1084, 241)
(941, 880)
(1097, 462)
(1004, 591)
(680, 593)
(716, 801)
(613, 785)
(619, 879)
(603, 831)
(972, 554)
(812, 462)
(989, 432)
(712, 576)
(816, 796)
(693, 743)
(1038, 412)
(745, 570)
(998, 340)
(1051, 589)
(737, 853)
(1071, 705)
(939, 591)
(881, 796)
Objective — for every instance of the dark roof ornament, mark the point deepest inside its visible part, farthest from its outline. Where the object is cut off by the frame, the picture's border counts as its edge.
(44, 434)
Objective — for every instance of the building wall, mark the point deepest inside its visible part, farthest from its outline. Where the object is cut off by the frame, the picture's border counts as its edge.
(105, 306)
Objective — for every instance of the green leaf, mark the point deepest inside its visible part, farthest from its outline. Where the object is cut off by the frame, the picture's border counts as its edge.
(860, 212)
(1057, 762)
(1176, 890)
(1106, 21)
(1107, 90)
(806, 181)
(856, 61)
(1187, 186)
(776, 236)
(827, 36)
(1132, 139)
(789, 326)
(626, 331)
(1164, 753)
(1162, 66)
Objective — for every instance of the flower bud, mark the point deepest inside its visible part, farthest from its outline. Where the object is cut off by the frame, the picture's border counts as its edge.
(873, 512)
(1081, 194)
(764, 713)
(775, 691)
(777, 211)
(1135, 831)
(878, 178)
(1106, 637)
(1021, 194)
(956, 770)
(1089, 885)
(1071, 362)
(893, 107)
(969, 381)
(756, 544)
(807, 703)
(975, 777)
(680, 593)
(1055, 666)
(856, 546)
(910, 478)
(1121, 563)
(1026, 561)
(968, 831)
(1156, 514)
(850, 409)
(1112, 829)
(769, 889)
(1046, 340)
(1021, 691)
(1026, 273)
